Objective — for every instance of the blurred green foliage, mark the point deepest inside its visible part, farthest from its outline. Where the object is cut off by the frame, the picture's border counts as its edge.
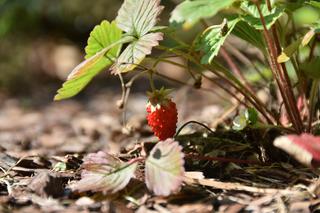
(26, 25)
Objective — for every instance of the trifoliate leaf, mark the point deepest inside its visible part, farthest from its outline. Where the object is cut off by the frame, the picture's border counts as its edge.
(104, 173)
(289, 51)
(213, 38)
(164, 168)
(252, 16)
(103, 47)
(305, 148)
(136, 52)
(138, 17)
(190, 12)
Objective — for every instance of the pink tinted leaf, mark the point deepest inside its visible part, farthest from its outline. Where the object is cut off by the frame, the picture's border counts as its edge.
(305, 148)
(164, 168)
(105, 173)
(135, 52)
(138, 17)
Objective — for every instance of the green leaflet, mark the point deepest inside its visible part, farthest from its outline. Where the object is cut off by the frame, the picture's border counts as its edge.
(103, 46)
(252, 16)
(190, 12)
(249, 34)
(213, 38)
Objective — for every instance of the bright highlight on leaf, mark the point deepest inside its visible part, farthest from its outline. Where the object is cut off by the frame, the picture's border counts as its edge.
(190, 12)
(305, 148)
(289, 51)
(213, 38)
(102, 48)
(104, 173)
(164, 168)
(137, 18)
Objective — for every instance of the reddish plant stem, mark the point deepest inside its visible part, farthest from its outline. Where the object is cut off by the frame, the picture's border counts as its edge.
(135, 160)
(248, 95)
(222, 159)
(284, 72)
(235, 68)
(282, 79)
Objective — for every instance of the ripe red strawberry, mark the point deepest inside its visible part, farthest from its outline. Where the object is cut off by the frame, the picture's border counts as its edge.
(162, 114)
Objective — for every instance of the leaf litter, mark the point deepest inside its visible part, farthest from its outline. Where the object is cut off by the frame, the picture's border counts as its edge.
(43, 148)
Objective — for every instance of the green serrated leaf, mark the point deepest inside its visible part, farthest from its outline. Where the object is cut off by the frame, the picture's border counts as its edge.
(104, 173)
(164, 168)
(138, 17)
(104, 45)
(252, 16)
(190, 12)
(213, 38)
(249, 34)
(101, 37)
(137, 50)
(289, 51)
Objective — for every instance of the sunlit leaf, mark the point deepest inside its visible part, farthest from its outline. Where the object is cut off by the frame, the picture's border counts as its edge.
(138, 17)
(239, 122)
(103, 47)
(190, 12)
(246, 117)
(104, 173)
(213, 38)
(287, 53)
(305, 148)
(101, 37)
(136, 52)
(252, 16)
(164, 168)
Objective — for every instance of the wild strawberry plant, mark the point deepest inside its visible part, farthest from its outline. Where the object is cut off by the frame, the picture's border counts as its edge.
(284, 35)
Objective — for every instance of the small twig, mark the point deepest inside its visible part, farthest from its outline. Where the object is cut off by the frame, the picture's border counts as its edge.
(236, 186)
